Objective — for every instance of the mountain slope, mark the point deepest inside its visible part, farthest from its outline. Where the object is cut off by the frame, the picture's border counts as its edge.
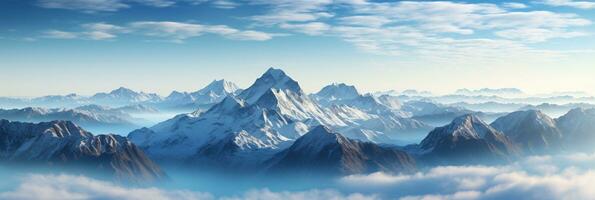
(213, 93)
(532, 130)
(123, 97)
(466, 140)
(326, 152)
(66, 144)
(578, 127)
(93, 117)
(267, 117)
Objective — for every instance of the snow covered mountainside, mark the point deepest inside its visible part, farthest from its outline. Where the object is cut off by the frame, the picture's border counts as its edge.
(322, 151)
(532, 130)
(578, 127)
(466, 140)
(123, 97)
(213, 93)
(375, 119)
(249, 128)
(64, 144)
(93, 117)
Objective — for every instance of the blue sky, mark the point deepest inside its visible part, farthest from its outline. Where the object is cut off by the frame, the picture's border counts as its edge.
(87, 46)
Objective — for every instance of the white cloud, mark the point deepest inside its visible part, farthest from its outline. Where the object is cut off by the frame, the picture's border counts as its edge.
(84, 5)
(312, 28)
(570, 3)
(571, 179)
(179, 31)
(225, 4)
(68, 187)
(286, 11)
(176, 30)
(435, 30)
(155, 3)
(515, 5)
(537, 34)
(364, 20)
(265, 194)
(172, 31)
(92, 31)
(56, 34)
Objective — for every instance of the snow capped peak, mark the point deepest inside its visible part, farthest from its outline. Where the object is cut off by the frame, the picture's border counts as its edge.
(227, 105)
(219, 87)
(271, 79)
(320, 131)
(467, 126)
(317, 138)
(122, 91)
(514, 119)
(577, 111)
(338, 91)
(467, 120)
(531, 129)
(275, 72)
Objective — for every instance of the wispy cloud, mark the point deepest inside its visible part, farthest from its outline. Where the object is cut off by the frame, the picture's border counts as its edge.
(570, 3)
(426, 27)
(56, 34)
(84, 5)
(92, 31)
(287, 11)
(312, 28)
(68, 187)
(515, 5)
(179, 31)
(169, 30)
(93, 6)
(432, 29)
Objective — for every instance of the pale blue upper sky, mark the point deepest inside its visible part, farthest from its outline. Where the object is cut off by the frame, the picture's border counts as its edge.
(87, 46)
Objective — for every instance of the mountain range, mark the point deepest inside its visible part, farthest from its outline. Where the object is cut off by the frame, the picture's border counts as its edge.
(60, 144)
(93, 117)
(273, 126)
(247, 129)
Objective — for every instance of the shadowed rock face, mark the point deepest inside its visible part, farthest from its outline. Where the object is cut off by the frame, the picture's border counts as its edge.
(62, 143)
(578, 127)
(322, 151)
(531, 130)
(467, 140)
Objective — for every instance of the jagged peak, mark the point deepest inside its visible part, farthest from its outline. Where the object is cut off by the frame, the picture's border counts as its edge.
(228, 104)
(338, 90)
(469, 125)
(271, 79)
(275, 72)
(123, 90)
(57, 128)
(320, 136)
(219, 86)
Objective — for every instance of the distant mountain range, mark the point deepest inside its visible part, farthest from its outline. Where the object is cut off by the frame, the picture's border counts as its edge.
(273, 126)
(121, 97)
(263, 119)
(491, 92)
(62, 144)
(93, 117)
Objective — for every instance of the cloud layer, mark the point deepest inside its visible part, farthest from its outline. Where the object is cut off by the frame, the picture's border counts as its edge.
(541, 177)
(538, 177)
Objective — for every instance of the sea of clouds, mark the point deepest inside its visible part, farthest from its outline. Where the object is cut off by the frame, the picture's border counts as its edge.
(569, 176)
